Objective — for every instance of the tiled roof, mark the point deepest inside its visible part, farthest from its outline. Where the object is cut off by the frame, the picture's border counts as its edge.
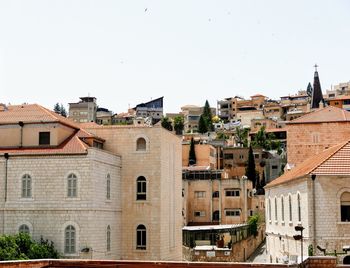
(32, 113)
(324, 115)
(72, 145)
(333, 161)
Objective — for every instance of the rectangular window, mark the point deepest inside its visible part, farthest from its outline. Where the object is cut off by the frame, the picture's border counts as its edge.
(274, 167)
(345, 213)
(44, 138)
(199, 213)
(228, 156)
(232, 192)
(233, 213)
(199, 194)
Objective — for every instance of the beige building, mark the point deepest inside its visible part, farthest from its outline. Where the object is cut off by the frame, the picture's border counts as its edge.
(316, 196)
(206, 155)
(216, 198)
(191, 114)
(94, 195)
(83, 111)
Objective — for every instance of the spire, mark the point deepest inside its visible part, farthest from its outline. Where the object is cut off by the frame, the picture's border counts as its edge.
(317, 96)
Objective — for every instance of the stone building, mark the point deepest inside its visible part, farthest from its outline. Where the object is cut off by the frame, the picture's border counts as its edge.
(115, 194)
(314, 195)
(84, 110)
(316, 131)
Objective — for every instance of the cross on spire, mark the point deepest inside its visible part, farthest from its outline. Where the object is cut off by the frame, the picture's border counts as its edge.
(315, 67)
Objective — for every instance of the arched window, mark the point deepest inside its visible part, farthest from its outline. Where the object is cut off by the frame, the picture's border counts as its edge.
(108, 185)
(72, 185)
(69, 239)
(24, 229)
(141, 188)
(290, 207)
(216, 194)
(108, 238)
(345, 206)
(269, 209)
(141, 144)
(282, 208)
(275, 209)
(141, 237)
(299, 208)
(26, 186)
(216, 215)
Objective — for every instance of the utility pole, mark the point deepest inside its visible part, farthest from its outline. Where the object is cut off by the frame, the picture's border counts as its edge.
(300, 229)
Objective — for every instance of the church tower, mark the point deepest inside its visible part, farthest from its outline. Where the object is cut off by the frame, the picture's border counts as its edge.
(317, 96)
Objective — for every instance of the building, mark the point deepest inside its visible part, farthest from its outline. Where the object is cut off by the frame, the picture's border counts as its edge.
(214, 197)
(150, 189)
(342, 102)
(152, 109)
(342, 89)
(316, 196)
(206, 155)
(103, 116)
(312, 133)
(114, 194)
(84, 110)
(191, 114)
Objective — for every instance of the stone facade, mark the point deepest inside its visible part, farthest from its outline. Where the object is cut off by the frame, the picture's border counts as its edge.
(49, 210)
(324, 228)
(160, 213)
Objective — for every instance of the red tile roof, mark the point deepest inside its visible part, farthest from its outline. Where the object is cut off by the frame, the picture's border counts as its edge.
(333, 161)
(324, 115)
(72, 145)
(34, 113)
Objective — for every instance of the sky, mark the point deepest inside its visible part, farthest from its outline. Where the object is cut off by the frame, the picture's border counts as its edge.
(131, 51)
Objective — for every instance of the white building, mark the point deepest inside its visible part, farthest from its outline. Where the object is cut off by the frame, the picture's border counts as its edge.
(316, 196)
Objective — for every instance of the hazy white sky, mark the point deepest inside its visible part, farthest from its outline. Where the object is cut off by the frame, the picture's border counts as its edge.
(127, 52)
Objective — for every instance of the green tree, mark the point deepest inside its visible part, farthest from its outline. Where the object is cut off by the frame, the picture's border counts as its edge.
(253, 222)
(166, 123)
(241, 136)
(57, 108)
(22, 247)
(179, 124)
(250, 171)
(192, 154)
(208, 117)
(63, 111)
(202, 125)
(267, 141)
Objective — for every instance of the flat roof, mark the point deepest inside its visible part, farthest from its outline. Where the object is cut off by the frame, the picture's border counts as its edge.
(213, 227)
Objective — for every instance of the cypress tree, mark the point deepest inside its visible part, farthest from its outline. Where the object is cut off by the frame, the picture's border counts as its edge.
(57, 108)
(202, 125)
(250, 171)
(192, 155)
(208, 116)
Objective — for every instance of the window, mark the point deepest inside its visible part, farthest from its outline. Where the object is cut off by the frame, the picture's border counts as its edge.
(299, 208)
(270, 209)
(216, 215)
(24, 229)
(274, 167)
(241, 156)
(141, 144)
(108, 187)
(228, 156)
(199, 213)
(108, 238)
(44, 138)
(69, 240)
(345, 206)
(232, 192)
(290, 207)
(141, 188)
(216, 194)
(282, 208)
(233, 213)
(141, 237)
(275, 209)
(199, 194)
(26, 186)
(72, 185)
